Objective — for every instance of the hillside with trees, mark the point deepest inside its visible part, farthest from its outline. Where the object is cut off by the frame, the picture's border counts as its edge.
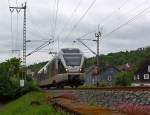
(117, 59)
(37, 66)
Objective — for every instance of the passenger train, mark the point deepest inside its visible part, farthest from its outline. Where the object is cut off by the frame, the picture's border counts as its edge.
(65, 69)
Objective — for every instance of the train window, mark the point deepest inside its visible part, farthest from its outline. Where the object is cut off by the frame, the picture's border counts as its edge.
(72, 60)
(70, 50)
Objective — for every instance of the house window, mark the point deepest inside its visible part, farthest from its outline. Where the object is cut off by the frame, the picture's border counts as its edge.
(146, 76)
(109, 78)
(148, 68)
(138, 77)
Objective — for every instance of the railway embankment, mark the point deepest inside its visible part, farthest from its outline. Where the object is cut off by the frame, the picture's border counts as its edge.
(108, 98)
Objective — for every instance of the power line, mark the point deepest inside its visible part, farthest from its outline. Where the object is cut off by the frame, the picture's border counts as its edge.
(51, 20)
(8, 3)
(17, 26)
(123, 4)
(138, 6)
(35, 28)
(77, 23)
(118, 9)
(17, 3)
(56, 17)
(11, 29)
(85, 35)
(71, 17)
(68, 21)
(115, 10)
(128, 22)
(41, 46)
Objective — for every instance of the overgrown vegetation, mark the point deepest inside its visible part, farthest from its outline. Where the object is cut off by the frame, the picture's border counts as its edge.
(124, 79)
(11, 73)
(24, 106)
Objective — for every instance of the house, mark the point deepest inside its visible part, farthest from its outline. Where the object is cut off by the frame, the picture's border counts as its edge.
(30, 73)
(142, 75)
(125, 67)
(106, 75)
(91, 77)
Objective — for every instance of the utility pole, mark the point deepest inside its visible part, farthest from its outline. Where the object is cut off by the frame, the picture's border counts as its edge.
(97, 35)
(18, 9)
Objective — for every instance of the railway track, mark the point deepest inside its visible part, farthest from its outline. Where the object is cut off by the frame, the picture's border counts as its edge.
(63, 100)
(108, 88)
(68, 106)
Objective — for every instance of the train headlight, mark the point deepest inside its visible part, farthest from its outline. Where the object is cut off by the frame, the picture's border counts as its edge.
(66, 70)
(80, 70)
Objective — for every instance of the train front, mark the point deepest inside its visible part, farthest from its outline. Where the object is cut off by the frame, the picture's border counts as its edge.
(73, 60)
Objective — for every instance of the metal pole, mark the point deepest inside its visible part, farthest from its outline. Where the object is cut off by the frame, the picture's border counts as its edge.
(24, 42)
(97, 35)
(24, 34)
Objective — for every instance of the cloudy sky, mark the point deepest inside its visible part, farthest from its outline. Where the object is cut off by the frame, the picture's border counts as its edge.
(124, 24)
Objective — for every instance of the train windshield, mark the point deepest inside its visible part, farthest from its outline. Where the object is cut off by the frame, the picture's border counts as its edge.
(72, 60)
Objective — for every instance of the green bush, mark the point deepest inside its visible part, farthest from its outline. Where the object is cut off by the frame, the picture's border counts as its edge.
(10, 74)
(11, 88)
(124, 79)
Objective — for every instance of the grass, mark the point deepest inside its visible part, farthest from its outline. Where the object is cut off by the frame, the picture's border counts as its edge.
(23, 106)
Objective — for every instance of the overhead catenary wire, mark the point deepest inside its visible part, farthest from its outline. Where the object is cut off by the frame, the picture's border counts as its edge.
(71, 17)
(35, 26)
(86, 34)
(127, 12)
(11, 26)
(51, 19)
(115, 10)
(67, 23)
(41, 46)
(17, 27)
(126, 23)
(80, 19)
(11, 29)
(137, 7)
(55, 26)
(8, 3)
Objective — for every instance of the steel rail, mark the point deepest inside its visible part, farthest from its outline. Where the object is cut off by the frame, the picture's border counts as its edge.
(140, 88)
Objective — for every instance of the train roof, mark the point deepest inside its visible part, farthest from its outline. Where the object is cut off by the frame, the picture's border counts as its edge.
(70, 50)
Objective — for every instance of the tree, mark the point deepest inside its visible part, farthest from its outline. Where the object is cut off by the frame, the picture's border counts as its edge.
(10, 75)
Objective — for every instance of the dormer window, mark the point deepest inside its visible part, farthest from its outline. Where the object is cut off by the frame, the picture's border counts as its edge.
(146, 76)
(148, 68)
